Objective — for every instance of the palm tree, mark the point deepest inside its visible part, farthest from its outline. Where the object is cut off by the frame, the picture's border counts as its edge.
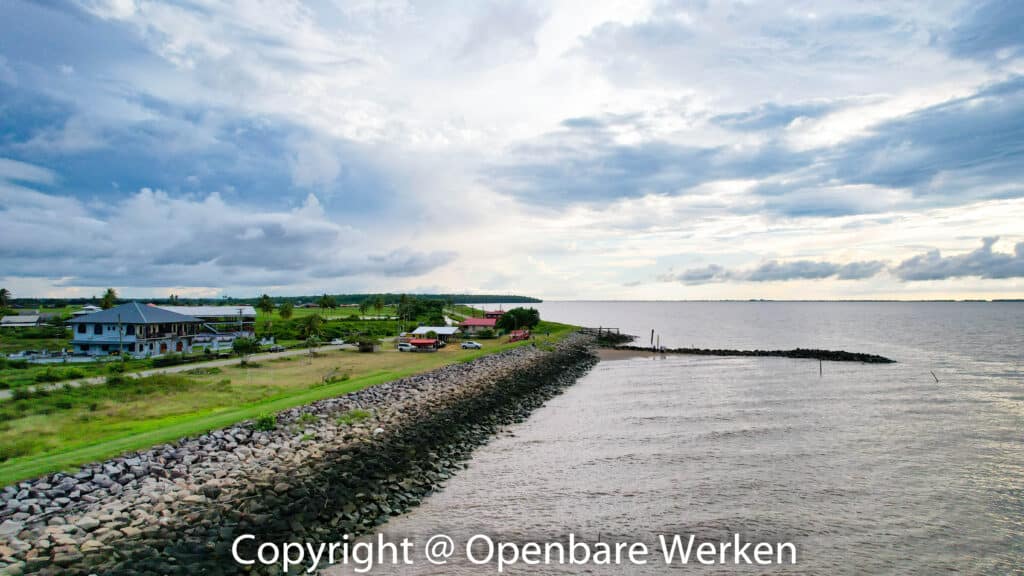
(109, 299)
(286, 310)
(310, 326)
(5, 297)
(266, 305)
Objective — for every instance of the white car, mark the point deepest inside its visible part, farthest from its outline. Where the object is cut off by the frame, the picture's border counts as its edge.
(405, 347)
(470, 345)
(337, 342)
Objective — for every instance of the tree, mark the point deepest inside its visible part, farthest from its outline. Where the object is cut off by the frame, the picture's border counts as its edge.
(173, 298)
(109, 299)
(326, 301)
(286, 310)
(266, 305)
(378, 303)
(312, 325)
(245, 345)
(365, 306)
(5, 298)
(519, 318)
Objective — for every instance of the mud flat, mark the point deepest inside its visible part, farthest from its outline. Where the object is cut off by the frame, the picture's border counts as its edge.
(339, 466)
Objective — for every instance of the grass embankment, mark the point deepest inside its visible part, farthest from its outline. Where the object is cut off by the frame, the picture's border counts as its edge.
(65, 428)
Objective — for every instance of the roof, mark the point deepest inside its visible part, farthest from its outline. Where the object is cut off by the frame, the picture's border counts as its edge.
(488, 322)
(133, 313)
(496, 312)
(422, 341)
(211, 311)
(19, 320)
(439, 330)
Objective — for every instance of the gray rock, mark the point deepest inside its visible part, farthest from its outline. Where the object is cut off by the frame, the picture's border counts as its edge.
(88, 523)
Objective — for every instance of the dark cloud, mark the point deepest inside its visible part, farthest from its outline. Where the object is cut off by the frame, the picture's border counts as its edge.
(981, 263)
(987, 28)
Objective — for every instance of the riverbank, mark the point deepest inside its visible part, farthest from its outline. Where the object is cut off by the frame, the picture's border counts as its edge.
(52, 430)
(340, 465)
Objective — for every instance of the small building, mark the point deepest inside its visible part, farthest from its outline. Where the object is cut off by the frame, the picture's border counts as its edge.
(477, 325)
(136, 329)
(493, 314)
(21, 321)
(235, 320)
(517, 335)
(443, 333)
(424, 344)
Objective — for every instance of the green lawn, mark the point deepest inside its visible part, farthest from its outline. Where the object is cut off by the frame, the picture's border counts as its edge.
(65, 428)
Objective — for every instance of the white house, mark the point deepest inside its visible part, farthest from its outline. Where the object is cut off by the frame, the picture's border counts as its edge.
(135, 329)
(21, 321)
(236, 320)
(443, 332)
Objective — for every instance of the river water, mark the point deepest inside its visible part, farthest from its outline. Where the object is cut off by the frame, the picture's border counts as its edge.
(866, 469)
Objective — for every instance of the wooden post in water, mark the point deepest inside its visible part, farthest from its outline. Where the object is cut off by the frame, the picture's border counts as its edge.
(652, 337)
(819, 368)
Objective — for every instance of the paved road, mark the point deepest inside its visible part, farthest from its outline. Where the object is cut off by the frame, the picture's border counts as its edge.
(5, 394)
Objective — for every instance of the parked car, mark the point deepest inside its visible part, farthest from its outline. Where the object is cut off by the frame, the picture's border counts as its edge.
(470, 345)
(337, 342)
(405, 347)
(277, 348)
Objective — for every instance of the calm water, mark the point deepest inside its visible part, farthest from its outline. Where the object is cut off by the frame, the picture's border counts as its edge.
(868, 469)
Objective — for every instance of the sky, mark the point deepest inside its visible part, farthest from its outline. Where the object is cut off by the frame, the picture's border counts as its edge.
(577, 149)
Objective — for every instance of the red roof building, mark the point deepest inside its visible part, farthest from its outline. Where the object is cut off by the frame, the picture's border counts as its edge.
(474, 325)
(493, 313)
(423, 342)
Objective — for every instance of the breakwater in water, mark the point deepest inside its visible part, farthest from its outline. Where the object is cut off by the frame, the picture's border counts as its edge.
(321, 474)
(809, 353)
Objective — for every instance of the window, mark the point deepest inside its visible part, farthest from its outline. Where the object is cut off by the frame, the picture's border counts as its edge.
(85, 347)
(130, 330)
(97, 329)
(81, 328)
(104, 348)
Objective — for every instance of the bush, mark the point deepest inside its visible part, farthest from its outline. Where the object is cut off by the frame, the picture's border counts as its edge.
(116, 368)
(116, 380)
(21, 394)
(169, 360)
(13, 364)
(75, 373)
(245, 346)
(265, 422)
(4, 385)
(485, 334)
(48, 375)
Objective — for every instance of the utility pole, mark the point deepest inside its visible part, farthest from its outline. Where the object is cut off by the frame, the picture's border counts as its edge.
(120, 337)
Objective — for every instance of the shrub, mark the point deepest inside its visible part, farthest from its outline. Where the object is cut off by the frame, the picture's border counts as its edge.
(48, 375)
(486, 333)
(307, 418)
(116, 368)
(75, 373)
(116, 380)
(265, 422)
(4, 385)
(353, 416)
(204, 371)
(245, 346)
(21, 394)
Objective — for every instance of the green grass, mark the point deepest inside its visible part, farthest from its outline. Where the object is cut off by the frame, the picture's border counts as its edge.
(67, 428)
(352, 416)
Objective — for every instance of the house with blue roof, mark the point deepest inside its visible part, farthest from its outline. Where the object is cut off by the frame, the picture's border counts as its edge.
(134, 329)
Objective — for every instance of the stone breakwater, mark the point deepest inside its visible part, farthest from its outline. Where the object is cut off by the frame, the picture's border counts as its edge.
(176, 508)
(808, 353)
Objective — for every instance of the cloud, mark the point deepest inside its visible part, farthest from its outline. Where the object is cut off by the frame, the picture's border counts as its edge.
(989, 28)
(776, 271)
(982, 263)
(15, 171)
(152, 238)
